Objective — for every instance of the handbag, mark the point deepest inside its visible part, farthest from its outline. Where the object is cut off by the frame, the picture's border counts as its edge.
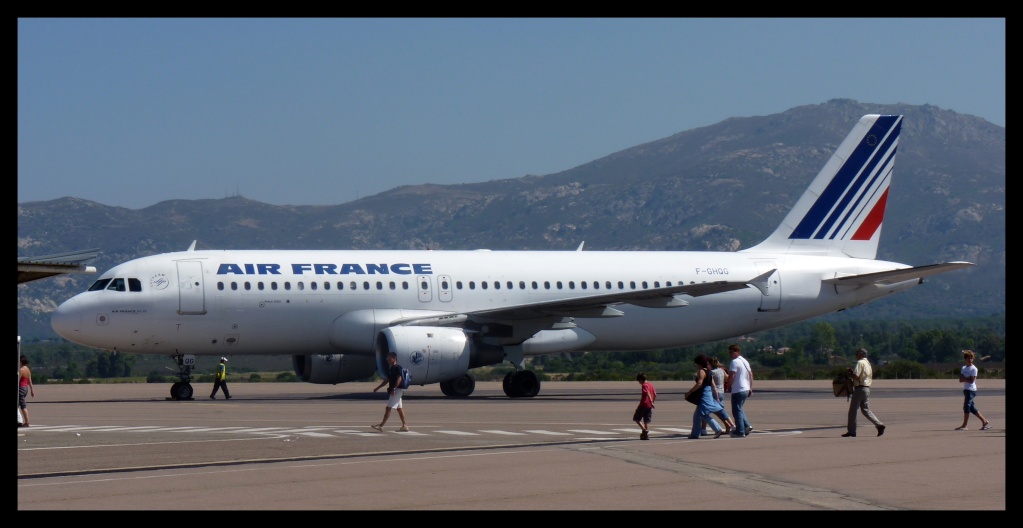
(695, 396)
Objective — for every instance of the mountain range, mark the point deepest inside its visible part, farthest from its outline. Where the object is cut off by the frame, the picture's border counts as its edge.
(722, 187)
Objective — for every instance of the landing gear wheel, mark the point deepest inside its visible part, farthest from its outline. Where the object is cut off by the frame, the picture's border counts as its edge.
(522, 384)
(507, 384)
(463, 386)
(527, 384)
(181, 391)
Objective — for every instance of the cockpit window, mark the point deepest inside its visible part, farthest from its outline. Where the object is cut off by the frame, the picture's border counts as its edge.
(117, 285)
(134, 285)
(101, 284)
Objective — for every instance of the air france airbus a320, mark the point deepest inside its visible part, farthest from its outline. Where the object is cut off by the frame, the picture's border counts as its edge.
(338, 313)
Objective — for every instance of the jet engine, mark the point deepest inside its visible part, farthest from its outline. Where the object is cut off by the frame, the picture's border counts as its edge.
(333, 368)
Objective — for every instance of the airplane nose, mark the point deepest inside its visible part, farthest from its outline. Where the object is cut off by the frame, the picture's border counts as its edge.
(67, 319)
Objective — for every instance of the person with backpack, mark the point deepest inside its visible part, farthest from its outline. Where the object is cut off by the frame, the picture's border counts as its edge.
(394, 392)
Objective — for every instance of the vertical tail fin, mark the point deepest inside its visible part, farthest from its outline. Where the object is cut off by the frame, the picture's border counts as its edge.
(840, 214)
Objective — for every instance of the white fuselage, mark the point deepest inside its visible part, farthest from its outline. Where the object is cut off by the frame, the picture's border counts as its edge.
(287, 302)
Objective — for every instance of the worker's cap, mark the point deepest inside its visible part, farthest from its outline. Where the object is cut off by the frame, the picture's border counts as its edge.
(223, 359)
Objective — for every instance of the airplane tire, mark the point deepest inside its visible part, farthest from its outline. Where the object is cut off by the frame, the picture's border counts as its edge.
(181, 391)
(462, 386)
(527, 384)
(522, 384)
(507, 384)
(445, 387)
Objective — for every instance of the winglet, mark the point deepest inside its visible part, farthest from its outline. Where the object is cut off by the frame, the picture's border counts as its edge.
(192, 247)
(581, 244)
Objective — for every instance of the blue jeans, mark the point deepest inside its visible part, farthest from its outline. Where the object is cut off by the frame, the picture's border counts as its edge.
(968, 405)
(738, 415)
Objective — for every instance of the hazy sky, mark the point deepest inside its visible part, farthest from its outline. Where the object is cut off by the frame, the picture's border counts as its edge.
(132, 112)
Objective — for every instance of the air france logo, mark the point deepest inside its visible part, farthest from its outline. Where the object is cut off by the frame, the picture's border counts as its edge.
(417, 357)
(158, 281)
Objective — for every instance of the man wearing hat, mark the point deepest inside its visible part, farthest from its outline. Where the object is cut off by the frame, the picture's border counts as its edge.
(220, 380)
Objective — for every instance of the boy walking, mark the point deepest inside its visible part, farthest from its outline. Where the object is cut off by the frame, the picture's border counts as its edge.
(968, 377)
(645, 410)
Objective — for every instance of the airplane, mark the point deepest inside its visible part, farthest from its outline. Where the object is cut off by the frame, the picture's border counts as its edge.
(339, 312)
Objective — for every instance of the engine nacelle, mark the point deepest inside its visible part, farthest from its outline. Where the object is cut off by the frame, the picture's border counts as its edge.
(333, 368)
(432, 354)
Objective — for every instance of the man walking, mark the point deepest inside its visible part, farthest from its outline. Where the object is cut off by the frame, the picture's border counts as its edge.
(220, 380)
(394, 392)
(740, 378)
(862, 376)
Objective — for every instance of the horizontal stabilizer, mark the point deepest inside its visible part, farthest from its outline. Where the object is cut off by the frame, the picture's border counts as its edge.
(899, 275)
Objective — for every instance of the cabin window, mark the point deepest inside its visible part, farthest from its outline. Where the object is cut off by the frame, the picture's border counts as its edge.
(393, 286)
(352, 285)
(621, 285)
(273, 285)
(558, 284)
(632, 285)
(472, 285)
(259, 285)
(99, 285)
(404, 285)
(644, 285)
(534, 285)
(483, 284)
(287, 285)
(220, 286)
(301, 285)
(458, 284)
(326, 285)
(117, 285)
(546, 285)
(657, 284)
(497, 285)
(248, 285)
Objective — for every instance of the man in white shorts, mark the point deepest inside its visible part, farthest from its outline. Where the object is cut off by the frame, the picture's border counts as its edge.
(394, 392)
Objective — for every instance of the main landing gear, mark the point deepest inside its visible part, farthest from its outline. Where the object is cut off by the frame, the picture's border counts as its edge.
(182, 390)
(521, 384)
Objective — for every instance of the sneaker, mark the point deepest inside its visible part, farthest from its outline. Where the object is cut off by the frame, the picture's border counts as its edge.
(880, 430)
(403, 429)
(749, 430)
(961, 429)
(737, 435)
(847, 435)
(718, 434)
(645, 435)
(986, 426)
(377, 427)
(213, 397)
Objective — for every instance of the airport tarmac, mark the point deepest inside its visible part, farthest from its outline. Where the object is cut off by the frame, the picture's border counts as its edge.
(296, 446)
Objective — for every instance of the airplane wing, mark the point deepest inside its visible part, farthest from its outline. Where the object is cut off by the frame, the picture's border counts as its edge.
(35, 268)
(601, 305)
(899, 275)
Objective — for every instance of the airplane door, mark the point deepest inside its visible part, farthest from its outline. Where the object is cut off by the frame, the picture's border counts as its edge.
(444, 288)
(191, 297)
(771, 302)
(425, 289)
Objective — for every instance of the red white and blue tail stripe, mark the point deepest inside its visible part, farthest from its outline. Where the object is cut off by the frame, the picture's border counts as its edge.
(840, 214)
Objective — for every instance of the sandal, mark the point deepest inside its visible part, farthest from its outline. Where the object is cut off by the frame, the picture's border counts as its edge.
(961, 429)
(986, 426)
